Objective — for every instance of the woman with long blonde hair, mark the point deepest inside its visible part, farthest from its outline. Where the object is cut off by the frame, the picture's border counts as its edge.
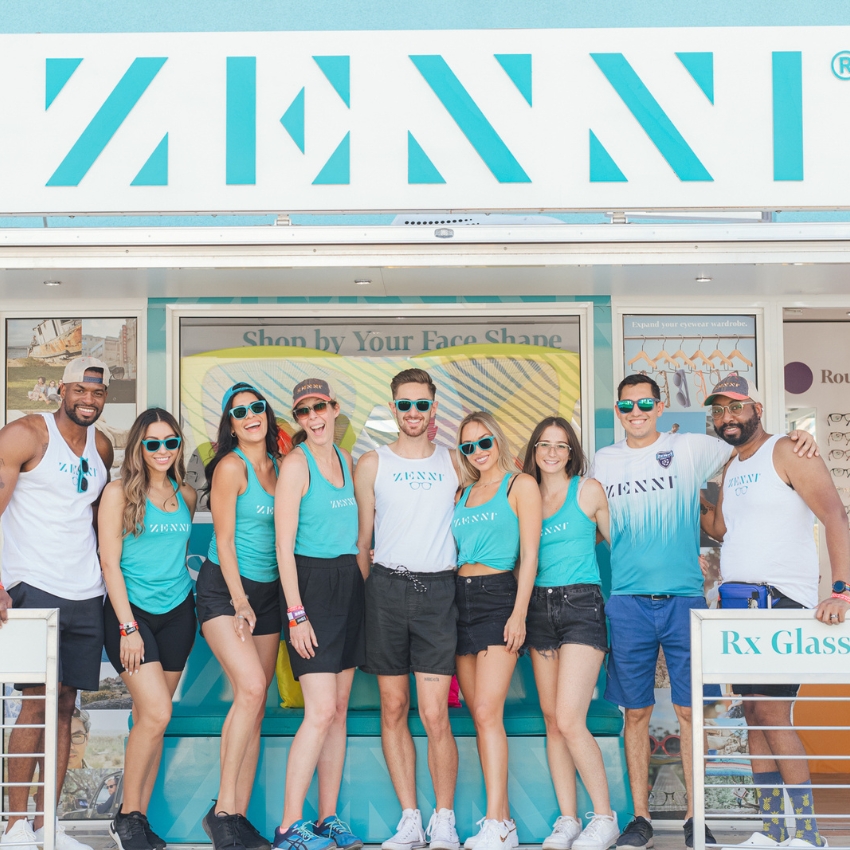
(497, 528)
(144, 523)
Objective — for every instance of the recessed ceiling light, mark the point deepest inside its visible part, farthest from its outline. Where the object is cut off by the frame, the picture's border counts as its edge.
(703, 278)
(362, 281)
(53, 283)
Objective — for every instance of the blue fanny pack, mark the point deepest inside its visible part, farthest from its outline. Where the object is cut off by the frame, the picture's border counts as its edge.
(743, 594)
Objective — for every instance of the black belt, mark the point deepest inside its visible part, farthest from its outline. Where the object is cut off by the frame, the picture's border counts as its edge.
(655, 595)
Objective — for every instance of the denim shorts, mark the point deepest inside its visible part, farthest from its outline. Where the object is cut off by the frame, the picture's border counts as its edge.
(484, 605)
(572, 613)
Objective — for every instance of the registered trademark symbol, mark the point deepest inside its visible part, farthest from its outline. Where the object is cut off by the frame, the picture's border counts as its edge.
(841, 64)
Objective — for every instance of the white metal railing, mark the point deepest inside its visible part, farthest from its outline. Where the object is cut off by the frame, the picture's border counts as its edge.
(763, 647)
(29, 644)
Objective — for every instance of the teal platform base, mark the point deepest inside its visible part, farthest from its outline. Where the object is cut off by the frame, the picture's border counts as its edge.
(188, 780)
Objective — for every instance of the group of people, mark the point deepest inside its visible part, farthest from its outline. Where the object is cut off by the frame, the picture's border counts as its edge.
(418, 560)
(43, 391)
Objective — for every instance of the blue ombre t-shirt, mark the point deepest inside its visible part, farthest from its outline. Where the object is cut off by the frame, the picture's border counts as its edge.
(653, 496)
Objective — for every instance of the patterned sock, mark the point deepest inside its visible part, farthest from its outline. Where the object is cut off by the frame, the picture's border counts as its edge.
(803, 804)
(771, 803)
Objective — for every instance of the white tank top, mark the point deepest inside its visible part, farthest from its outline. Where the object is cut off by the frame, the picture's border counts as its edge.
(769, 529)
(48, 537)
(414, 504)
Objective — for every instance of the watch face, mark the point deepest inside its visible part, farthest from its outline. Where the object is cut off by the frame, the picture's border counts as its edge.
(840, 587)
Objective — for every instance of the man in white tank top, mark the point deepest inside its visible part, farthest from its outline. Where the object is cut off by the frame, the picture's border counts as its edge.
(52, 469)
(765, 518)
(405, 495)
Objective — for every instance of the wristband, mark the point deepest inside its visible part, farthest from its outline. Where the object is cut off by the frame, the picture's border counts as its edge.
(296, 616)
(2, 587)
(128, 628)
(841, 596)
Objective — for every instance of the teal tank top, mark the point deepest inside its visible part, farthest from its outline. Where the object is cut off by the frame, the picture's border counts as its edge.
(154, 563)
(254, 536)
(327, 520)
(567, 553)
(487, 534)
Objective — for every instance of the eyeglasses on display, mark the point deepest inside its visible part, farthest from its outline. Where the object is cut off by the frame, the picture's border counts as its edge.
(838, 436)
(559, 448)
(304, 412)
(423, 405)
(171, 443)
(838, 472)
(717, 410)
(484, 443)
(627, 405)
(242, 410)
(839, 417)
(82, 472)
(839, 454)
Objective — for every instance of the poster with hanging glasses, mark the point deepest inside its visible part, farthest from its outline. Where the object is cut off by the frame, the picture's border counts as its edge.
(686, 355)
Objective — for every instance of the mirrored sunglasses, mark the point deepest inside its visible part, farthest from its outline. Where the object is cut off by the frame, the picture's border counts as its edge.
(627, 405)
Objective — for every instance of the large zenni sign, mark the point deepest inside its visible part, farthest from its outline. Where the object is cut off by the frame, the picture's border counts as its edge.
(398, 120)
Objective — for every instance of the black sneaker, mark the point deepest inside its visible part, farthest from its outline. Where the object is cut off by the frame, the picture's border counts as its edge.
(637, 835)
(222, 830)
(250, 835)
(128, 831)
(153, 839)
(689, 834)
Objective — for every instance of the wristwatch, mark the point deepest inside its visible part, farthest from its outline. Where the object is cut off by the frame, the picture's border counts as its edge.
(840, 587)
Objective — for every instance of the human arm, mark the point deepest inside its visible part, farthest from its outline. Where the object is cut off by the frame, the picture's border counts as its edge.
(110, 524)
(364, 492)
(230, 480)
(525, 500)
(594, 504)
(813, 483)
(20, 444)
(292, 485)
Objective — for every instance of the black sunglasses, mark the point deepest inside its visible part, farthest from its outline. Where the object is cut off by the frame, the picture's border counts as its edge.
(241, 410)
(171, 443)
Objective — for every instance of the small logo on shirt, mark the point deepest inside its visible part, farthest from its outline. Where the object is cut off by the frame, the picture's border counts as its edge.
(554, 529)
(265, 510)
(166, 527)
(664, 458)
(488, 516)
(342, 503)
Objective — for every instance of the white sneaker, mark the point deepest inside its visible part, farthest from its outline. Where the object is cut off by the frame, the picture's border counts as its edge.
(799, 842)
(496, 835)
(759, 839)
(21, 834)
(409, 833)
(564, 833)
(511, 843)
(63, 840)
(441, 830)
(599, 834)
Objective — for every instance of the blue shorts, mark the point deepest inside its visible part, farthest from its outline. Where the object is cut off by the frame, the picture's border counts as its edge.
(638, 625)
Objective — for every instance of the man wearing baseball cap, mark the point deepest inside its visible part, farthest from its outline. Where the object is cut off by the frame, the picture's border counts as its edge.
(765, 518)
(52, 469)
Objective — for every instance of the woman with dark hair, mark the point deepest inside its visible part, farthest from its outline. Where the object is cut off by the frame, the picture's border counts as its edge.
(316, 521)
(144, 523)
(496, 525)
(238, 599)
(566, 630)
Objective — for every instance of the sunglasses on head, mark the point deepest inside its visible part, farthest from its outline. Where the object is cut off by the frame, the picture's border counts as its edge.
(304, 412)
(484, 443)
(242, 410)
(171, 443)
(626, 405)
(422, 404)
(82, 472)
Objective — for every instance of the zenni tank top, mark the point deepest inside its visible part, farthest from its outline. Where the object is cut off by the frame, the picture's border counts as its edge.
(567, 553)
(487, 534)
(769, 529)
(327, 519)
(154, 563)
(414, 499)
(48, 537)
(254, 536)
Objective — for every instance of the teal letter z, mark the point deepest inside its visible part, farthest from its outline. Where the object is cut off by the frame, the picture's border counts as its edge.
(106, 121)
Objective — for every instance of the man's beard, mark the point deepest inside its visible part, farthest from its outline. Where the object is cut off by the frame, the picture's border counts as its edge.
(746, 430)
(72, 415)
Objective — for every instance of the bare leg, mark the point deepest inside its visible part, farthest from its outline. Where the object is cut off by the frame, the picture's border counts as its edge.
(780, 742)
(685, 716)
(332, 756)
(172, 679)
(637, 757)
(396, 740)
(433, 693)
(490, 671)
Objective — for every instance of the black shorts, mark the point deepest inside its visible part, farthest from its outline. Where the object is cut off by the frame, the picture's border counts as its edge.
(332, 595)
(779, 600)
(411, 622)
(213, 599)
(484, 605)
(168, 637)
(572, 613)
(80, 634)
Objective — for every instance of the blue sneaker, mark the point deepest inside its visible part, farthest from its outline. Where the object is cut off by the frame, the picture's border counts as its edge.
(300, 836)
(339, 832)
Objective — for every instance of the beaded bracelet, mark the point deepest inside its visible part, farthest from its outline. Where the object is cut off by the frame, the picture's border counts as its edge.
(128, 628)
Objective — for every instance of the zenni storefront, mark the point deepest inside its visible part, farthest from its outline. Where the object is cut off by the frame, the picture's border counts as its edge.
(528, 203)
